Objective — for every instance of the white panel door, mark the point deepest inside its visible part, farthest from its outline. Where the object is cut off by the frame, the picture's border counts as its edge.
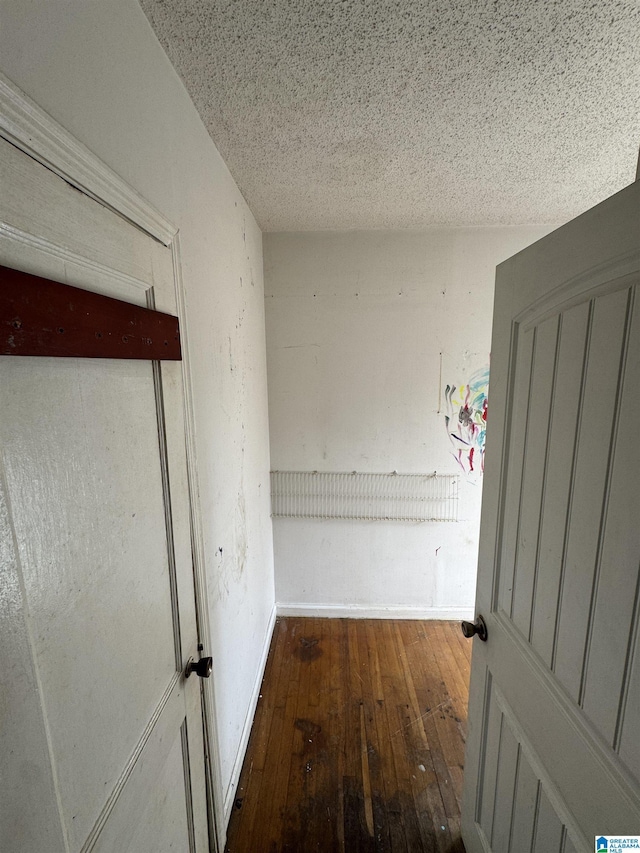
(553, 756)
(101, 744)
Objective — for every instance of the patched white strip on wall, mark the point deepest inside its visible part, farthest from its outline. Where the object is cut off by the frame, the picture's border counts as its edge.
(371, 497)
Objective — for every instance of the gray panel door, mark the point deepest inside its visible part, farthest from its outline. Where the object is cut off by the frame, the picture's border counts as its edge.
(553, 757)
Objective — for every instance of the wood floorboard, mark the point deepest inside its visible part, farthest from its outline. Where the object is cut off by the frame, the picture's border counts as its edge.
(357, 744)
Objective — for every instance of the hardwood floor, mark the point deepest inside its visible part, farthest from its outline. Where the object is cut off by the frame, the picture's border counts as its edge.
(358, 740)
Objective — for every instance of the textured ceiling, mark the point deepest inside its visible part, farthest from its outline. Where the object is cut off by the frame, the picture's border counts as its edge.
(357, 114)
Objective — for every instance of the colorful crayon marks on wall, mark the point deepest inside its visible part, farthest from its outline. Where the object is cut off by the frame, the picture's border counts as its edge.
(466, 420)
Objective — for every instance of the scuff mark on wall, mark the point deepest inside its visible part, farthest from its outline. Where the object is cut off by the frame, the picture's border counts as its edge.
(466, 409)
(221, 576)
(232, 559)
(241, 543)
(231, 359)
(301, 346)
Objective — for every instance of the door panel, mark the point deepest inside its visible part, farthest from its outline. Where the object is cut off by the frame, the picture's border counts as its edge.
(613, 616)
(629, 746)
(81, 440)
(523, 810)
(515, 811)
(27, 778)
(554, 722)
(545, 342)
(593, 437)
(154, 806)
(163, 824)
(101, 733)
(558, 478)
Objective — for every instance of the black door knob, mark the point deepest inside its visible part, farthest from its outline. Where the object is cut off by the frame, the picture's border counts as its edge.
(201, 668)
(478, 628)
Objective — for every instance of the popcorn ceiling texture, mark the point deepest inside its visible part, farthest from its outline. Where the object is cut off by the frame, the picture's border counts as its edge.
(365, 114)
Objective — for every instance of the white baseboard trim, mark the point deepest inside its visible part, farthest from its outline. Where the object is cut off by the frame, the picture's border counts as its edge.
(248, 723)
(359, 611)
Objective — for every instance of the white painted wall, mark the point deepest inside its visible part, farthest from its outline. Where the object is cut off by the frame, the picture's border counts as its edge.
(356, 323)
(97, 68)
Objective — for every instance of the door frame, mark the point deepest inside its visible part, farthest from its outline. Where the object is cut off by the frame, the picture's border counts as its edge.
(24, 124)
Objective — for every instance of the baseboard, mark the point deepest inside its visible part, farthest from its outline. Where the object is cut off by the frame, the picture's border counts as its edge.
(359, 611)
(248, 723)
